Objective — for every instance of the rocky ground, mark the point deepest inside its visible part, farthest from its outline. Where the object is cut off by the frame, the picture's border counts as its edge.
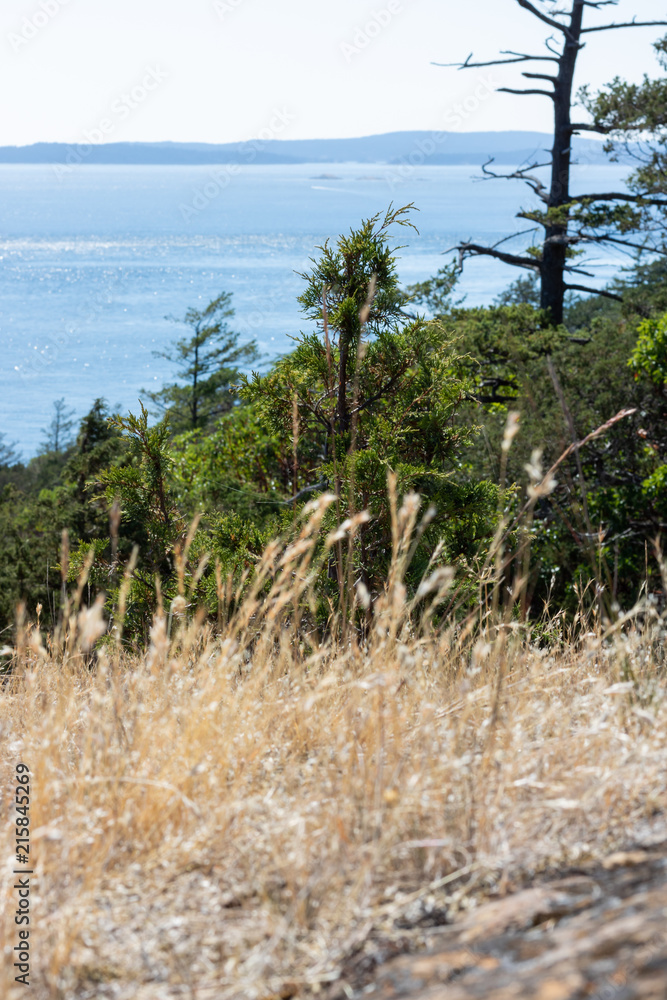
(595, 932)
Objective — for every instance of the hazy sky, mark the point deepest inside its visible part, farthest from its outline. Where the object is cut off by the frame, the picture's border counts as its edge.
(224, 70)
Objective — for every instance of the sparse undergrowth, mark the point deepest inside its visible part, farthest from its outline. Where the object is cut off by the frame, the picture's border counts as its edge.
(238, 815)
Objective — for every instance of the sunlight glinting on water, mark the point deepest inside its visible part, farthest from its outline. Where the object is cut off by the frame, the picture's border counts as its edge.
(92, 262)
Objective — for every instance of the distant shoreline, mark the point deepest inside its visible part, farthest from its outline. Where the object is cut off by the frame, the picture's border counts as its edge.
(410, 148)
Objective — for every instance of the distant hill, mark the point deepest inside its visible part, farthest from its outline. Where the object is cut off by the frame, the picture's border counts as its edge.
(393, 148)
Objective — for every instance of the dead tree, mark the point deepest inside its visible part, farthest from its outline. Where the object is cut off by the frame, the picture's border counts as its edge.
(567, 221)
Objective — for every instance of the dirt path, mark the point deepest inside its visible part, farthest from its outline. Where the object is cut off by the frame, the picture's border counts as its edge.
(599, 932)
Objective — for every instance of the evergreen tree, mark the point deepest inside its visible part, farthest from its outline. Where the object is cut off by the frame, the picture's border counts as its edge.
(40, 500)
(8, 453)
(208, 365)
(634, 117)
(58, 435)
(371, 392)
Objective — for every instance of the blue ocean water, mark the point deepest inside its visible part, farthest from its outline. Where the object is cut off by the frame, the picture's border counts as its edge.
(94, 258)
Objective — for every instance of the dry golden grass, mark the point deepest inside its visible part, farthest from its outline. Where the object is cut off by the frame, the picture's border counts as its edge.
(235, 816)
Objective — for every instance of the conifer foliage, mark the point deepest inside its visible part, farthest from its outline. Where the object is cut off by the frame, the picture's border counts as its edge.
(208, 365)
(369, 391)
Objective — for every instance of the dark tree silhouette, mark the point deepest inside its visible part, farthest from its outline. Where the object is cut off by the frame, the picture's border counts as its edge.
(58, 435)
(568, 221)
(8, 454)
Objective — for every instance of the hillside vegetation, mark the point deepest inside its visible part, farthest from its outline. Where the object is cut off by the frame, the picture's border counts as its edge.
(468, 407)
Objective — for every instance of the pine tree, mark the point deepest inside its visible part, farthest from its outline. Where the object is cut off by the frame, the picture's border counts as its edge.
(8, 453)
(208, 365)
(634, 118)
(58, 435)
(569, 223)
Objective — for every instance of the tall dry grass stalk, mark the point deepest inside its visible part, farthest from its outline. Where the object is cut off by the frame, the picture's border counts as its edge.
(235, 815)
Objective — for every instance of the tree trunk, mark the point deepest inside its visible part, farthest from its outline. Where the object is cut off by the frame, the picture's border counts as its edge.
(343, 415)
(195, 387)
(554, 249)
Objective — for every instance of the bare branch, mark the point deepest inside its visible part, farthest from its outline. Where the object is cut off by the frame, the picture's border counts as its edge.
(475, 249)
(634, 246)
(510, 90)
(570, 239)
(518, 173)
(534, 183)
(627, 24)
(540, 76)
(535, 186)
(624, 243)
(618, 196)
(578, 270)
(595, 291)
(543, 17)
(584, 127)
(524, 55)
(516, 57)
(513, 236)
(533, 166)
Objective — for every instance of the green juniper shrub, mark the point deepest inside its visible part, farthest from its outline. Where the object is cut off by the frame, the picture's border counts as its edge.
(241, 465)
(370, 391)
(603, 514)
(648, 363)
